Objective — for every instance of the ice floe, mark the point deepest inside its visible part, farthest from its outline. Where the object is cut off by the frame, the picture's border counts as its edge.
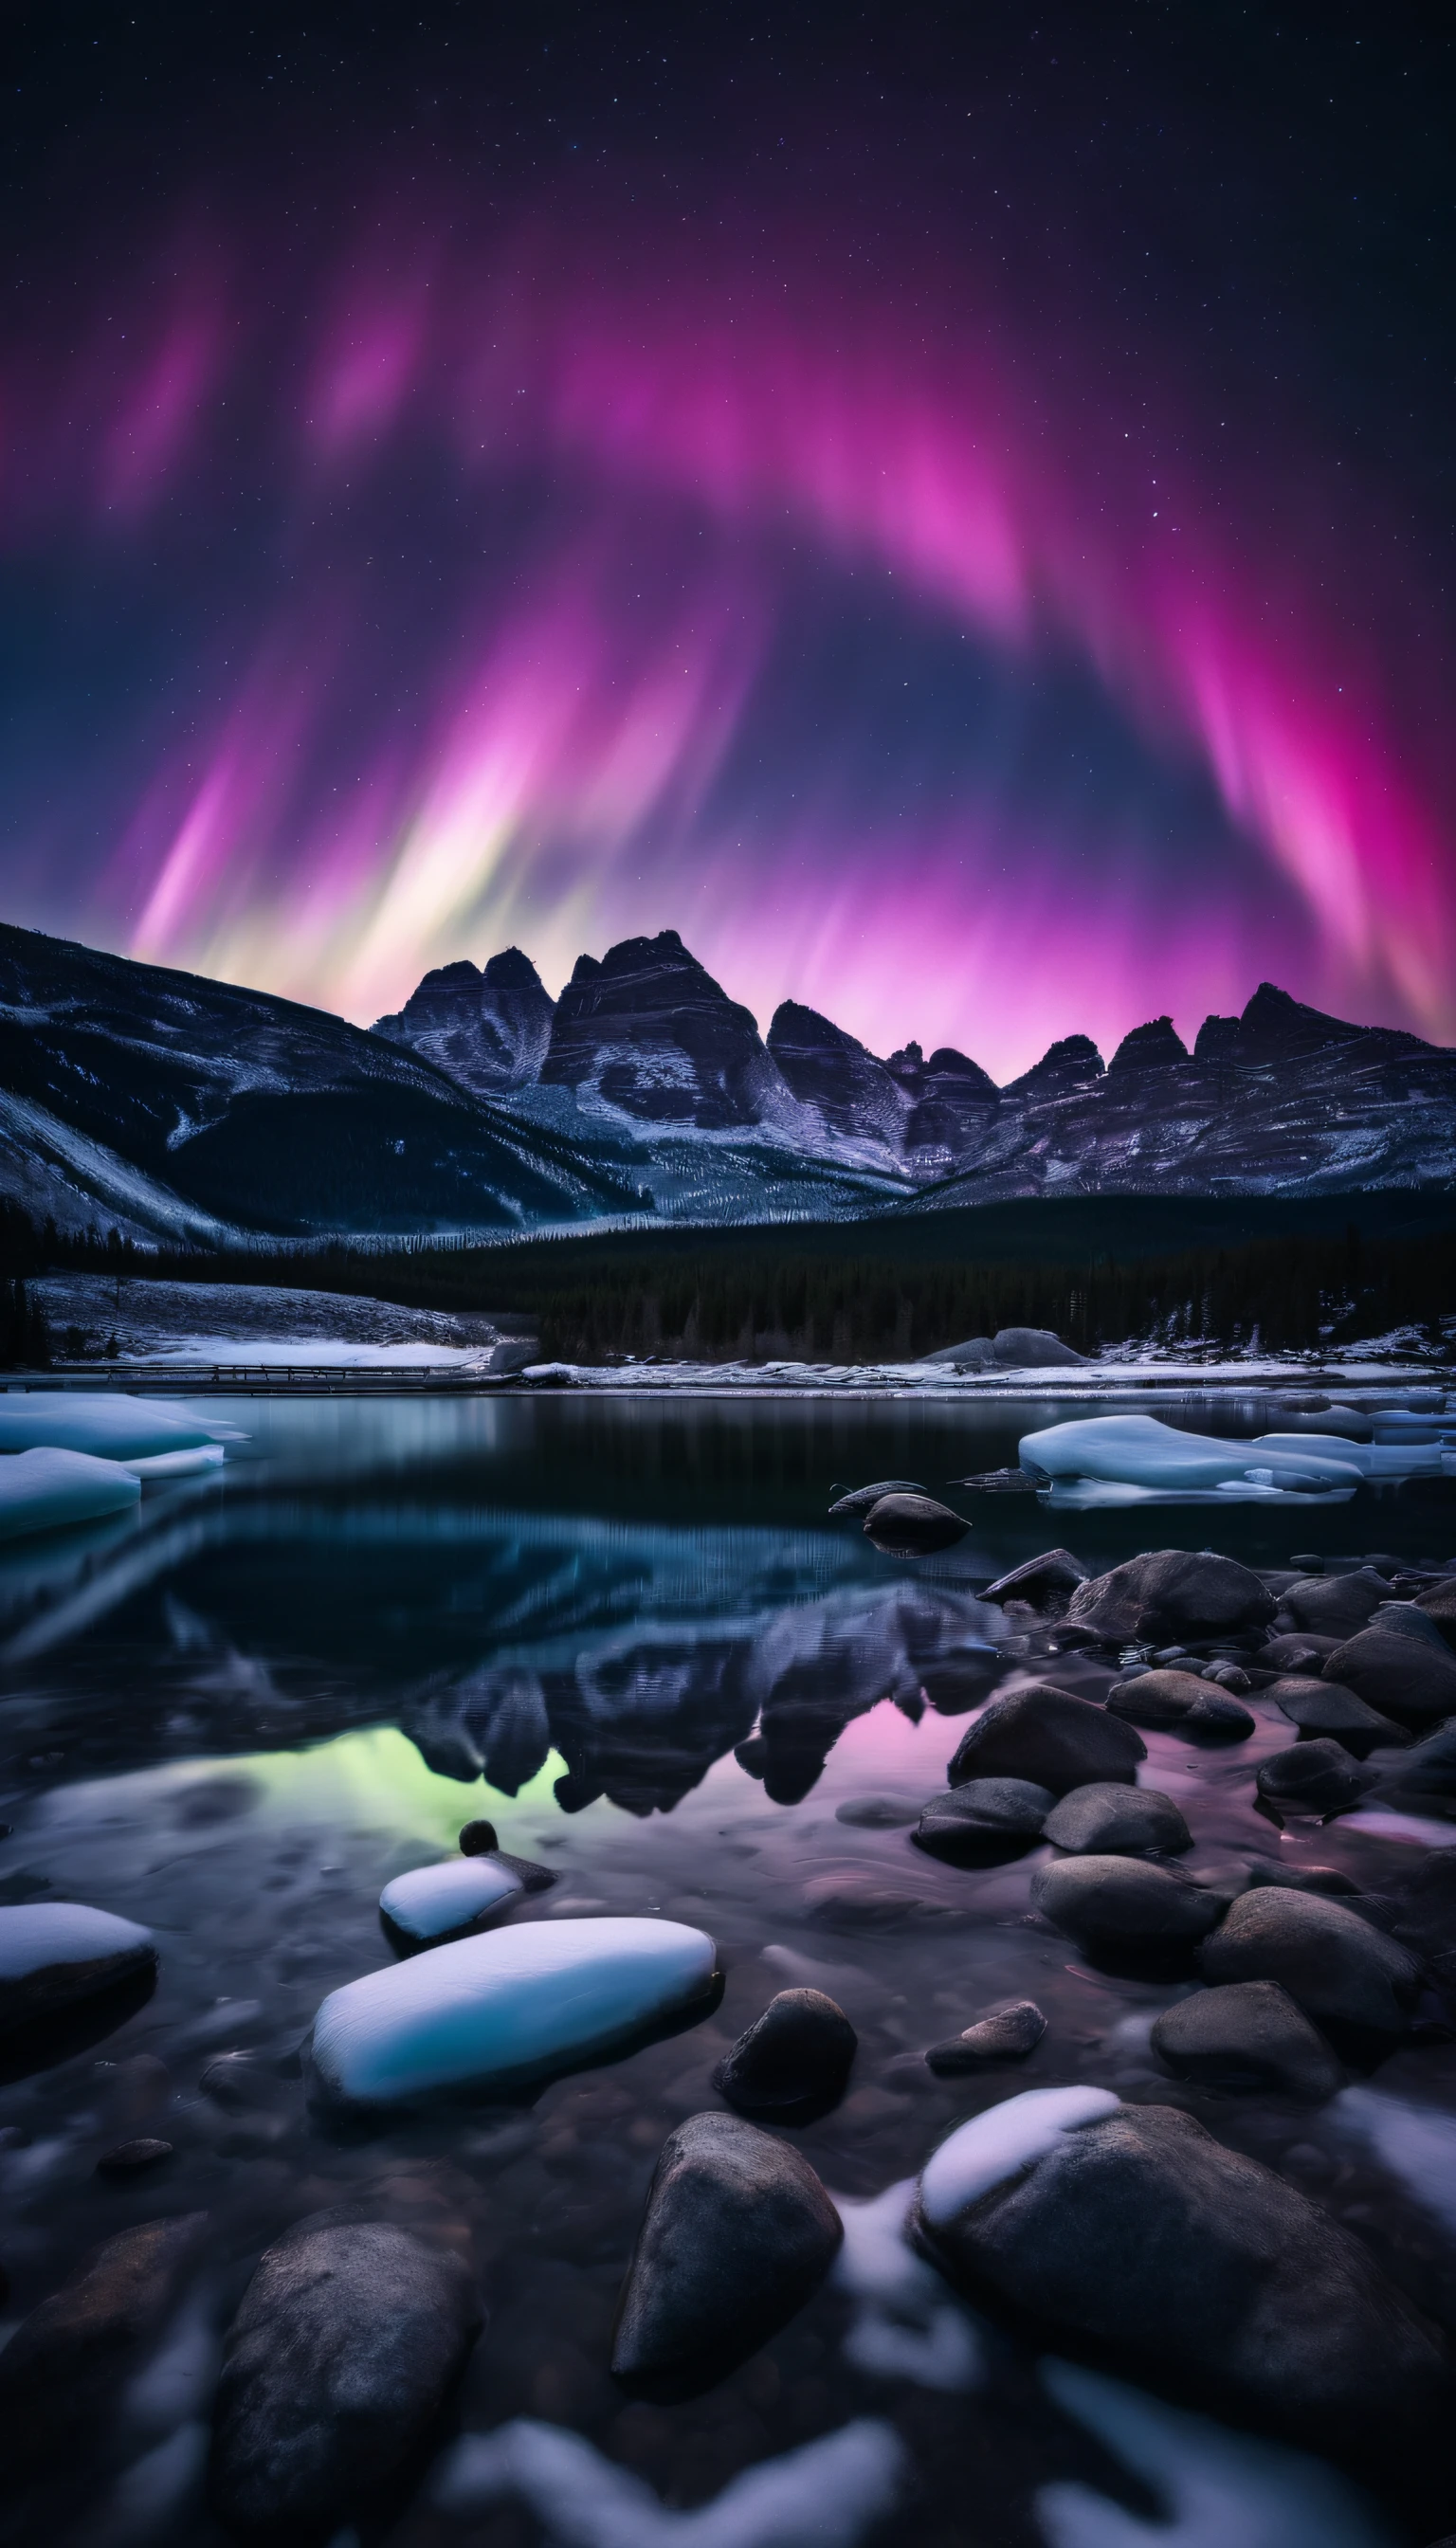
(432, 1902)
(1003, 2140)
(906, 2325)
(510, 2006)
(831, 2492)
(1133, 1459)
(1219, 2488)
(50, 1490)
(105, 1423)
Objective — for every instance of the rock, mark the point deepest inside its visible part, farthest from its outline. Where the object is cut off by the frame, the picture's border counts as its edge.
(738, 2234)
(430, 1904)
(1439, 1604)
(1296, 1653)
(1179, 1703)
(478, 1838)
(133, 2158)
(1043, 1581)
(1322, 1707)
(974, 1353)
(529, 1875)
(58, 2367)
(863, 1499)
(1007, 2033)
(488, 1030)
(1247, 2036)
(1358, 1987)
(1126, 1913)
(1032, 1349)
(795, 2056)
(913, 1526)
(53, 1954)
(510, 2006)
(1313, 1778)
(877, 1814)
(999, 1482)
(1337, 1605)
(1304, 1879)
(1407, 1619)
(645, 1030)
(856, 1901)
(1044, 1735)
(1168, 1593)
(985, 1822)
(1112, 1820)
(1230, 1678)
(1425, 1781)
(336, 2366)
(1200, 2273)
(1396, 1676)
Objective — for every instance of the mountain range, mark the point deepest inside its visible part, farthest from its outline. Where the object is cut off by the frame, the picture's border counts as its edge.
(174, 1107)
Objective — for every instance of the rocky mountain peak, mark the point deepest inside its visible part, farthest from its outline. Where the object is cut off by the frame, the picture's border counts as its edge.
(648, 1030)
(487, 1030)
(853, 1093)
(1067, 1065)
(1149, 1047)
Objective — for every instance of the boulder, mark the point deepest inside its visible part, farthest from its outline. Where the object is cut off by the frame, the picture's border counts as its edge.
(1335, 1605)
(737, 2234)
(1179, 1703)
(1247, 2036)
(1032, 1349)
(347, 2343)
(1314, 1778)
(1304, 1879)
(1126, 1913)
(1006, 2032)
(54, 1955)
(1357, 1986)
(1323, 1707)
(1141, 2239)
(1296, 1653)
(1043, 1734)
(1396, 1676)
(913, 1526)
(1045, 1581)
(1407, 1619)
(985, 1822)
(798, 2056)
(1171, 1591)
(1425, 1781)
(60, 2366)
(1112, 1820)
(1439, 1604)
(133, 2158)
(861, 1499)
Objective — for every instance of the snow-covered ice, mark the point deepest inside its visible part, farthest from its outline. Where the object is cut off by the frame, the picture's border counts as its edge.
(105, 1423)
(1139, 1453)
(1001, 2143)
(1221, 2488)
(433, 1901)
(507, 2005)
(829, 2493)
(46, 1489)
(38, 1936)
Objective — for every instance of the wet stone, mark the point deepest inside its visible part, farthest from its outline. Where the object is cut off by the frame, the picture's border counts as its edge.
(984, 1823)
(1179, 1703)
(913, 1526)
(1319, 1707)
(1396, 1676)
(878, 1813)
(794, 2059)
(133, 2158)
(1007, 2033)
(1114, 1820)
(1358, 1987)
(1126, 1911)
(61, 2366)
(1313, 1778)
(1048, 1738)
(1245, 2036)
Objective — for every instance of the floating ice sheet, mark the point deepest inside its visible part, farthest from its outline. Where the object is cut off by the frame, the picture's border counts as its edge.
(46, 1489)
(433, 1901)
(105, 1423)
(1003, 2140)
(1141, 1458)
(513, 2005)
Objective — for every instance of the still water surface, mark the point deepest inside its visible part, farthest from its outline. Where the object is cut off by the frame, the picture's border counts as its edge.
(235, 1717)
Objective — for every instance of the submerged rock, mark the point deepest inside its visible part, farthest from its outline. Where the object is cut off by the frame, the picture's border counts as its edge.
(1314, 1778)
(1357, 1986)
(1179, 1703)
(53, 1954)
(985, 1822)
(1396, 1674)
(1201, 2272)
(1044, 1735)
(1321, 1707)
(1126, 1911)
(798, 2055)
(1112, 1820)
(1247, 2036)
(1171, 1591)
(913, 1526)
(1007, 2033)
(430, 1904)
(513, 2005)
(1295, 1654)
(738, 2234)
(58, 2369)
(878, 1813)
(336, 2365)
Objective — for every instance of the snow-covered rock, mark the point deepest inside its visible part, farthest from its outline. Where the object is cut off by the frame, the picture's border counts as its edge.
(510, 2006)
(54, 1952)
(46, 1489)
(1003, 2142)
(431, 1904)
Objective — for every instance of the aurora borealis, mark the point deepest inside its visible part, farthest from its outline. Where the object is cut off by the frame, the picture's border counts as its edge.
(953, 523)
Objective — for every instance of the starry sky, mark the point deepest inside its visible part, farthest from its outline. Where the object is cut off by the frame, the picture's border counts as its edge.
(949, 508)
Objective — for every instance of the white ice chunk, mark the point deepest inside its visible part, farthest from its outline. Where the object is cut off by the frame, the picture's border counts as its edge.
(1002, 2141)
(49, 1489)
(432, 1901)
(906, 2325)
(189, 1463)
(1140, 1451)
(505, 2006)
(35, 1937)
(1416, 2143)
(105, 1423)
(829, 2493)
(1221, 2489)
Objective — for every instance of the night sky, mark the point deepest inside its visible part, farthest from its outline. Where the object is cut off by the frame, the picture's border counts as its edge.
(949, 509)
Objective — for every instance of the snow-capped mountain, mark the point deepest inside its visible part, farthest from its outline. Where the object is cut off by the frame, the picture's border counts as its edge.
(175, 1107)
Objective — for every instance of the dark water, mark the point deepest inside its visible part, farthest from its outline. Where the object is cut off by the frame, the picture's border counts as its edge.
(235, 1717)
